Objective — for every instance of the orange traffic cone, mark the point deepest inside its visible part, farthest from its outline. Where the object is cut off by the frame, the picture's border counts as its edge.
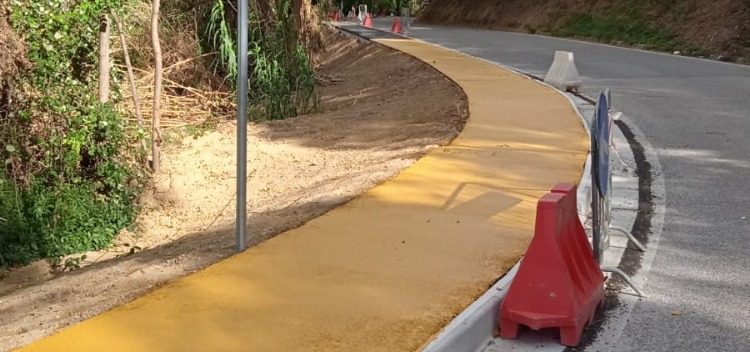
(396, 27)
(368, 21)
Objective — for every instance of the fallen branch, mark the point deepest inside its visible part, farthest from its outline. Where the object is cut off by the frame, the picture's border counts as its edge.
(326, 80)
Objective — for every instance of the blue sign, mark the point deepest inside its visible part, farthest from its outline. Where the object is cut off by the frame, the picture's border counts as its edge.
(602, 134)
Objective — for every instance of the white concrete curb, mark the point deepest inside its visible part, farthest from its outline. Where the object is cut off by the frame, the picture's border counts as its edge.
(470, 330)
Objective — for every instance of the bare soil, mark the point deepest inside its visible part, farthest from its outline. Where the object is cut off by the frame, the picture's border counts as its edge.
(720, 26)
(12, 49)
(383, 111)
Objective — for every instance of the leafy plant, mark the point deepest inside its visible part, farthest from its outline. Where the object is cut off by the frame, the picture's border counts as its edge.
(71, 178)
(221, 38)
(282, 79)
(70, 264)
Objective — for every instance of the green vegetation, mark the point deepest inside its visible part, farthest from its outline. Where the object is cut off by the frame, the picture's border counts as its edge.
(74, 167)
(628, 29)
(70, 180)
(377, 6)
(282, 79)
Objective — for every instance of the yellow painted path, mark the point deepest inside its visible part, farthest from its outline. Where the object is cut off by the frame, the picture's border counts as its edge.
(388, 270)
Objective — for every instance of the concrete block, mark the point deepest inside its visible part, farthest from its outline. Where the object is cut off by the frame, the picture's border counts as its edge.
(563, 74)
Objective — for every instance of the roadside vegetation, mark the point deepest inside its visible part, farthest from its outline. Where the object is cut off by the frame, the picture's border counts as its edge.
(76, 147)
(626, 25)
(716, 29)
(629, 29)
(376, 7)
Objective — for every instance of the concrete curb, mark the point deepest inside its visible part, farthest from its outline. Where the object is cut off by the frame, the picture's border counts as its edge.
(469, 330)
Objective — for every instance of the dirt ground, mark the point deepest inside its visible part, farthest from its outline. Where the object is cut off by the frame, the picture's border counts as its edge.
(383, 112)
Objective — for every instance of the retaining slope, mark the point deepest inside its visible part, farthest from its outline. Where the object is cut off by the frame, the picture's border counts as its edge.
(388, 270)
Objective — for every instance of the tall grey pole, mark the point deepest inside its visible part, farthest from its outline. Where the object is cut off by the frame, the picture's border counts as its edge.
(242, 28)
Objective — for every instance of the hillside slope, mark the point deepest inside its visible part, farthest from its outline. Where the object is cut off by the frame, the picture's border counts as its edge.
(713, 28)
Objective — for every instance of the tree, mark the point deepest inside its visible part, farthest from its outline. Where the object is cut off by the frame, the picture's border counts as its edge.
(156, 116)
(131, 76)
(104, 63)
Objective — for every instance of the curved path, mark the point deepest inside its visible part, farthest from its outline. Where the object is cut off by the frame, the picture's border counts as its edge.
(388, 270)
(696, 114)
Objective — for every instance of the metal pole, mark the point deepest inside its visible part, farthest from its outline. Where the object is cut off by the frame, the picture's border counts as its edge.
(628, 280)
(596, 216)
(242, 26)
(629, 236)
(595, 195)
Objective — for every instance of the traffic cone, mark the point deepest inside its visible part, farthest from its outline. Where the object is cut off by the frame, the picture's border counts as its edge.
(396, 27)
(368, 21)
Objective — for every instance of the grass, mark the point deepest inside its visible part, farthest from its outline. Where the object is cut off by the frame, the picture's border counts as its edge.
(629, 30)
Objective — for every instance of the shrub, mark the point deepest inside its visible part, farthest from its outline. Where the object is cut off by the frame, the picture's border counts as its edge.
(70, 180)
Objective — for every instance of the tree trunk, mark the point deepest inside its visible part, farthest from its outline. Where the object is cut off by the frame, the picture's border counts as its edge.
(294, 38)
(156, 117)
(297, 13)
(131, 76)
(104, 63)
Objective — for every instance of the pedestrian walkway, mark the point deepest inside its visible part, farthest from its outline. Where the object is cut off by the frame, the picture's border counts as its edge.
(388, 270)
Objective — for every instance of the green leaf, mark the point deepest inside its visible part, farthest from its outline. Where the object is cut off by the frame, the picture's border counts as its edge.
(10, 148)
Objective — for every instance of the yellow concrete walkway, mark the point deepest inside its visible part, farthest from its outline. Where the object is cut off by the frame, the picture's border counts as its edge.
(388, 270)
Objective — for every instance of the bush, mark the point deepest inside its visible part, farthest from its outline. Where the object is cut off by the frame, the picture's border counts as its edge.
(71, 178)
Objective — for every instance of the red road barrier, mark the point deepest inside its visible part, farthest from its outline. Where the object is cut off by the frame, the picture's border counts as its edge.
(368, 21)
(396, 27)
(337, 16)
(558, 284)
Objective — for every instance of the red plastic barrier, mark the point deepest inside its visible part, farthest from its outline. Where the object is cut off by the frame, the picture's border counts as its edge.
(337, 16)
(368, 21)
(558, 284)
(396, 27)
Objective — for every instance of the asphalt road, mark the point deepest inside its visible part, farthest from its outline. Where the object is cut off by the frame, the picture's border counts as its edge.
(696, 115)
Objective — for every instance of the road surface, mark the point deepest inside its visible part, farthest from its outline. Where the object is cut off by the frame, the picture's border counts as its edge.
(696, 115)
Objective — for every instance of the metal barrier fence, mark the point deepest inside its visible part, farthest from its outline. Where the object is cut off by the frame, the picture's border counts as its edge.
(601, 187)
